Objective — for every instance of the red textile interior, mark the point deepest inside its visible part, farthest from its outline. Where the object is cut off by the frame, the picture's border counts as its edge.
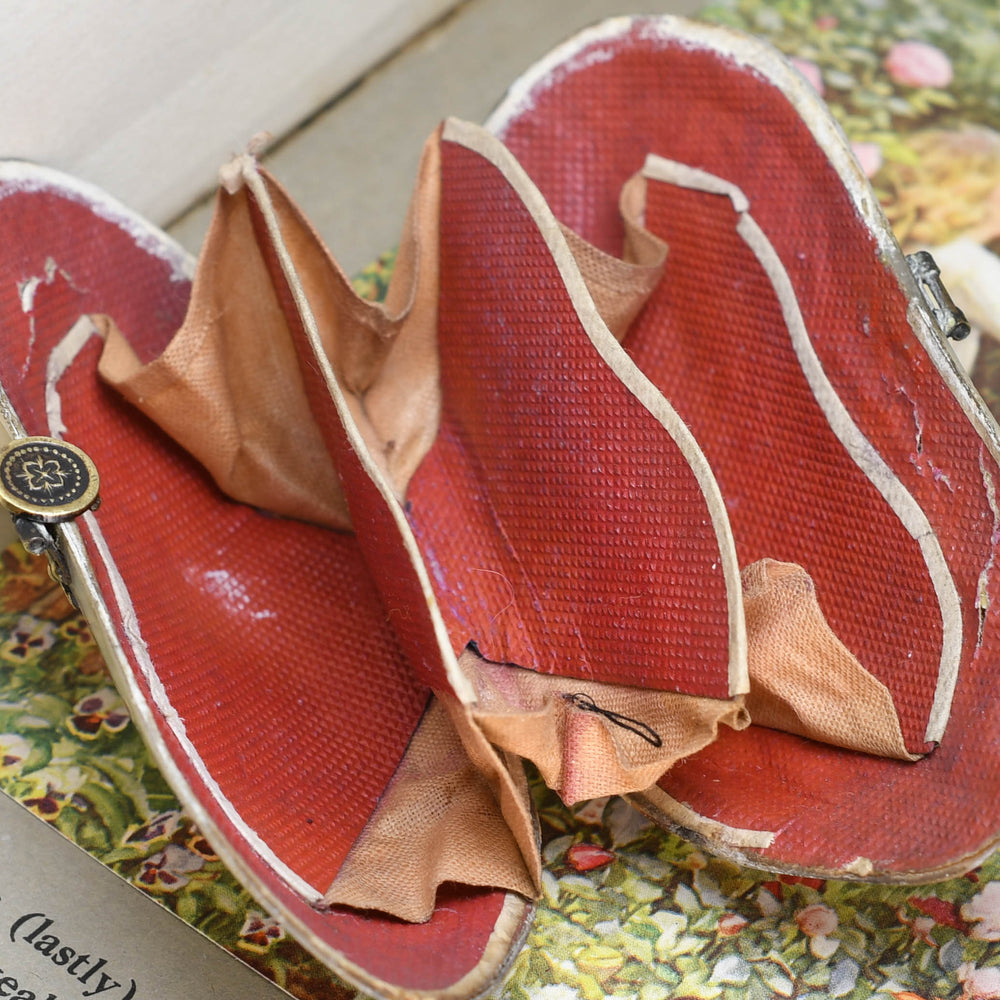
(720, 349)
(267, 635)
(709, 339)
(564, 529)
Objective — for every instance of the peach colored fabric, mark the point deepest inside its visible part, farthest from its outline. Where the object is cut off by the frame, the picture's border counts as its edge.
(802, 677)
(622, 741)
(227, 387)
(438, 821)
(621, 286)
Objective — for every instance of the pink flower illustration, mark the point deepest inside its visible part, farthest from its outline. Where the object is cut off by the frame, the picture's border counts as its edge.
(811, 72)
(918, 64)
(983, 910)
(869, 155)
(979, 984)
(731, 924)
(818, 921)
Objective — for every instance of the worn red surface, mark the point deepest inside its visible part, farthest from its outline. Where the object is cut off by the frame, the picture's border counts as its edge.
(564, 529)
(713, 340)
(267, 636)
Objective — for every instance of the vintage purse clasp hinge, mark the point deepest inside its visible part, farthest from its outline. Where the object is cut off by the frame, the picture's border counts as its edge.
(45, 482)
(950, 318)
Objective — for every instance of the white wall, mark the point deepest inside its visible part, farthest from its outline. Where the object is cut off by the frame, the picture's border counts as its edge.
(147, 97)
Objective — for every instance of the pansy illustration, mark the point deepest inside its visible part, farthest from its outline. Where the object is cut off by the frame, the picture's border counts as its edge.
(14, 750)
(169, 870)
(158, 827)
(197, 843)
(53, 788)
(28, 639)
(102, 711)
(76, 630)
(259, 932)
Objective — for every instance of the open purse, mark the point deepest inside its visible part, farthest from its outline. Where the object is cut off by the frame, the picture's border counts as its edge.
(655, 436)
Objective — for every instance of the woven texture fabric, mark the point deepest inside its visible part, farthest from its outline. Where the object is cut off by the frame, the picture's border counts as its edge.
(308, 283)
(803, 679)
(226, 370)
(499, 403)
(581, 130)
(270, 645)
(438, 821)
(584, 546)
(720, 348)
(588, 739)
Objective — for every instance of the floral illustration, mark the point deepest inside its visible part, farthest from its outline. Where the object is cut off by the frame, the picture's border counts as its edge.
(627, 910)
(102, 711)
(27, 640)
(169, 870)
(260, 932)
(918, 64)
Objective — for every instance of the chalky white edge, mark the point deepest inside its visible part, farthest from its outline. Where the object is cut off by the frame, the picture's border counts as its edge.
(19, 177)
(484, 143)
(112, 626)
(742, 51)
(661, 806)
(62, 357)
(860, 449)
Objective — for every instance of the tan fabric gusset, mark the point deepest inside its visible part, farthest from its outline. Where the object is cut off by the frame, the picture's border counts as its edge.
(802, 678)
(622, 741)
(227, 387)
(231, 367)
(504, 774)
(438, 821)
(621, 286)
(384, 354)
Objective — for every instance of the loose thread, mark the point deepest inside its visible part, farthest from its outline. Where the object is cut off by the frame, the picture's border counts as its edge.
(585, 703)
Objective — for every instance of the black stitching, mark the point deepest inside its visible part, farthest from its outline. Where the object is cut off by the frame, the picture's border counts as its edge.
(585, 703)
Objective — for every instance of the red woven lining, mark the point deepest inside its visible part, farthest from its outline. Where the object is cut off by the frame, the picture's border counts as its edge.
(267, 635)
(714, 340)
(589, 127)
(564, 529)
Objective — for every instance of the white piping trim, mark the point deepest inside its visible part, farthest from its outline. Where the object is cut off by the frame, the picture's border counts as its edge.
(763, 60)
(62, 356)
(60, 360)
(713, 832)
(858, 447)
(18, 177)
(514, 920)
(460, 684)
(491, 149)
